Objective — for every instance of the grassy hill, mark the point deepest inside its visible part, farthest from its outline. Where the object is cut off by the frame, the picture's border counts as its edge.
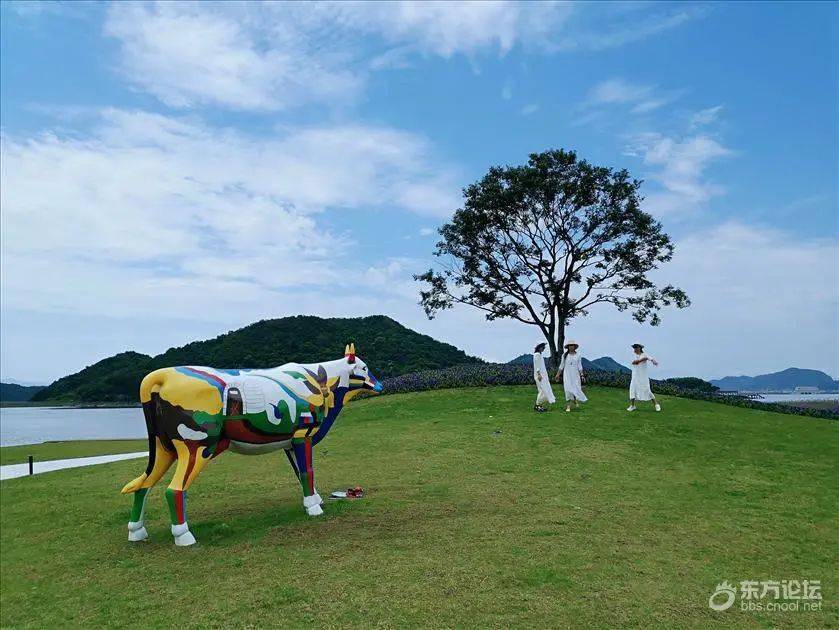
(479, 513)
(386, 345)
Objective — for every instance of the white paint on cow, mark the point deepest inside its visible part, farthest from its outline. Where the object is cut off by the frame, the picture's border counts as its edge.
(190, 434)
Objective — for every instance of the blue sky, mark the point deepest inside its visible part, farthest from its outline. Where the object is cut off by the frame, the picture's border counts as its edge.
(174, 171)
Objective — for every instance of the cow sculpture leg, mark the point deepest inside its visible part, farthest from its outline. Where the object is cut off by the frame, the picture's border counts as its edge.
(158, 465)
(305, 472)
(191, 460)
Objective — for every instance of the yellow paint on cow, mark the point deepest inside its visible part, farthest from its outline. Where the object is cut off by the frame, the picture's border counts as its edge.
(178, 480)
(162, 461)
(200, 462)
(181, 390)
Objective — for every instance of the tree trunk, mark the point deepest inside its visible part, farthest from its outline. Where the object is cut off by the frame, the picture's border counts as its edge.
(560, 333)
(554, 356)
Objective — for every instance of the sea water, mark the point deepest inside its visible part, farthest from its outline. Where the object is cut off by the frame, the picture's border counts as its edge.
(33, 425)
(797, 397)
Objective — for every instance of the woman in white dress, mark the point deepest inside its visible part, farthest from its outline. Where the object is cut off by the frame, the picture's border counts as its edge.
(571, 373)
(544, 391)
(639, 386)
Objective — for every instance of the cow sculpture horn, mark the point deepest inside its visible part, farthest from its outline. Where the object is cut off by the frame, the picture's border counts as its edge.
(350, 352)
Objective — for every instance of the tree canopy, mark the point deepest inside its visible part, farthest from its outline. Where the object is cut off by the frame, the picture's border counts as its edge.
(544, 242)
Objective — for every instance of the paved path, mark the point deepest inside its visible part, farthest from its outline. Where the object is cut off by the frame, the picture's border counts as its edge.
(22, 470)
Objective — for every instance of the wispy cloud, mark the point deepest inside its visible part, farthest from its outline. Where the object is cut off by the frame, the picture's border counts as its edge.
(608, 25)
(679, 169)
(638, 98)
(705, 117)
(264, 56)
(678, 159)
(529, 109)
(507, 90)
(193, 54)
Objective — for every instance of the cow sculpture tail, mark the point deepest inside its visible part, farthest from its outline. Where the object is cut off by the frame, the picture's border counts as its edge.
(151, 383)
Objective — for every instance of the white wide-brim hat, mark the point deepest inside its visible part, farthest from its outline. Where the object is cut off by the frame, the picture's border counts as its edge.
(571, 343)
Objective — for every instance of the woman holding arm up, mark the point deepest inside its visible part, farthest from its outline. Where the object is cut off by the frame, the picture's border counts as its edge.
(639, 386)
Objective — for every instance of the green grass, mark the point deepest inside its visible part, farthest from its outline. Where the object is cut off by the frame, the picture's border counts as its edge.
(594, 518)
(63, 450)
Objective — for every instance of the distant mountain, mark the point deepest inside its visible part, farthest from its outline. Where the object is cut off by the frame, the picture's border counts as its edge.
(14, 381)
(607, 364)
(783, 380)
(388, 347)
(12, 392)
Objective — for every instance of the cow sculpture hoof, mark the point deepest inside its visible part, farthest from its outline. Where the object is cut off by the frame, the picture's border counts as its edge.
(137, 531)
(183, 537)
(312, 505)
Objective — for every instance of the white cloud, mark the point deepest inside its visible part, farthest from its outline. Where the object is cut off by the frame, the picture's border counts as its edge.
(188, 54)
(507, 91)
(155, 214)
(705, 116)
(427, 231)
(641, 99)
(271, 56)
(448, 28)
(611, 25)
(617, 91)
(472, 27)
(37, 8)
(529, 109)
(679, 162)
(680, 169)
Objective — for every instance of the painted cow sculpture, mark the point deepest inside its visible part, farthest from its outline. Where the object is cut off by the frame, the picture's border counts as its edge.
(193, 414)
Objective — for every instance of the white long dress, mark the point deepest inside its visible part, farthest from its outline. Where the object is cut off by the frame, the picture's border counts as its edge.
(572, 366)
(639, 386)
(544, 391)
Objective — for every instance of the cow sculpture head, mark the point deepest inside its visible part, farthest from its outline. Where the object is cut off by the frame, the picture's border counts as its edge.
(357, 377)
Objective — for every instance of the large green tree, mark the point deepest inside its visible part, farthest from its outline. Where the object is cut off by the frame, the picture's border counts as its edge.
(544, 242)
